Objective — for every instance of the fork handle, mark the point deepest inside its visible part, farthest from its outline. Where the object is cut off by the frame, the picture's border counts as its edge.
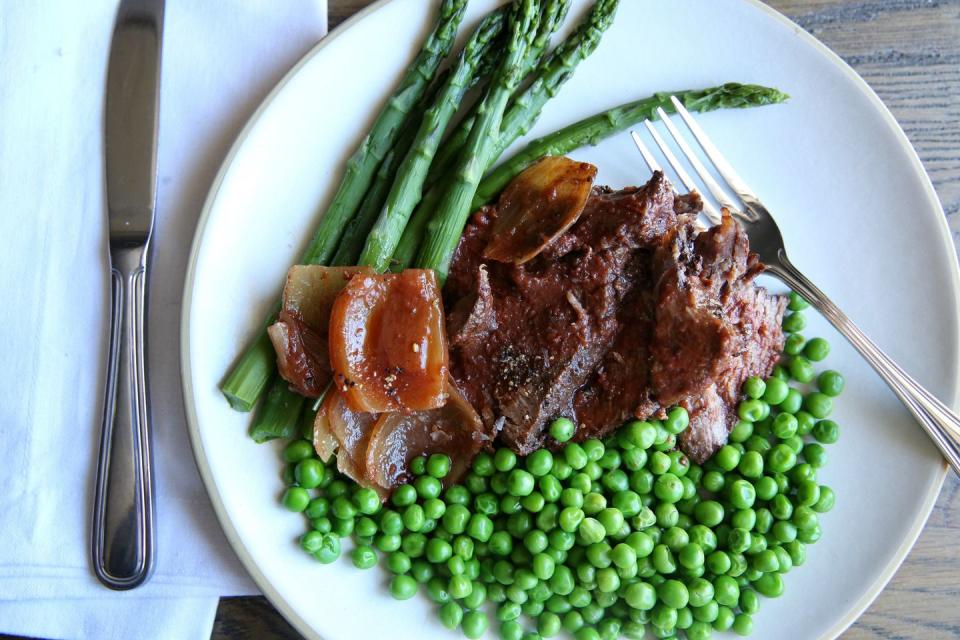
(940, 423)
(123, 500)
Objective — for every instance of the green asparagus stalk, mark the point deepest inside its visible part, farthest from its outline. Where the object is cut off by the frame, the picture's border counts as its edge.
(250, 375)
(554, 73)
(355, 235)
(407, 188)
(603, 125)
(279, 414)
(522, 114)
(444, 229)
(553, 14)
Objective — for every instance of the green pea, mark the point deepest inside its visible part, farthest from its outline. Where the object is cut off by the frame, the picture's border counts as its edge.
(309, 473)
(794, 322)
(562, 429)
(438, 551)
(612, 520)
(451, 615)
(659, 463)
(769, 585)
(391, 522)
(364, 557)
(743, 624)
(474, 624)
(520, 483)
(781, 458)
(594, 449)
(295, 499)
(794, 344)
(663, 560)
(571, 518)
(587, 633)
(664, 616)
(801, 370)
(741, 494)
(413, 517)
(820, 405)
(641, 595)
(480, 527)
(751, 410)
(709, 513)
(459, 586)
(691, 556)
(590, 530)
(455, 518)
(508, 611)
(321, 524)
(826, 431)
(297, 450)
(640, 434)
(575, 456)
(677, 420)
(718, 562)
(754, 386)
(667, 515)
(797, 303)
(826, 500)
(562, 581)
(707, 613)
(751, 465)
(404, 495)
(830, 383)
(421, 571)
(698, 631)
(593, 471)
(668, 488)
(608, 581)
(548, 624)
(815, 455)
(726, 591)
(725, 619)
(329, 549)
(793, 402)
(540, 462)
(817, 349)
(776, 391)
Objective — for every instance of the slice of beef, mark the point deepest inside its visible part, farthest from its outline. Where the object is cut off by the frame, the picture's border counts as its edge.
(619, 388)
(555, 316)
(714, 328)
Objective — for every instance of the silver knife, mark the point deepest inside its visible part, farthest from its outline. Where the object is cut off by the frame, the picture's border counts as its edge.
(123, 538)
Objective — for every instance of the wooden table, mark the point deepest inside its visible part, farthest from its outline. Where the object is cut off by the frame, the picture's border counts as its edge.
(909, 52)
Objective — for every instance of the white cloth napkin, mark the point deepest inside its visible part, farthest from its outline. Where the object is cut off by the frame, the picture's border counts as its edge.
(220, 58)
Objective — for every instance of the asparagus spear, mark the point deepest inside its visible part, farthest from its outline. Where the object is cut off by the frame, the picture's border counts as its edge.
(246, 381)
(520, 117)
(603, 125)
(279, 413)
(444, 229)
(552, 16)
(354, 236)
(554, 73)
(407, 188)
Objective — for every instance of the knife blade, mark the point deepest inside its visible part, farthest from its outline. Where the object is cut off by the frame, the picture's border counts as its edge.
(123, 511)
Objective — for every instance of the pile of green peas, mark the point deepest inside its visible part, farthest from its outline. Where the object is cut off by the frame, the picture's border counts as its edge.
(600, 539)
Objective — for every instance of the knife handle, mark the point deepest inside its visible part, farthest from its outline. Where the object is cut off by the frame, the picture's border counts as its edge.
(123, 537)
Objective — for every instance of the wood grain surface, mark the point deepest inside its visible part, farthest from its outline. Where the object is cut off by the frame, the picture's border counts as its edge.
(909, 52)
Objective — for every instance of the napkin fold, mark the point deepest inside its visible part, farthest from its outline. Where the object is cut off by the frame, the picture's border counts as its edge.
(220, 59)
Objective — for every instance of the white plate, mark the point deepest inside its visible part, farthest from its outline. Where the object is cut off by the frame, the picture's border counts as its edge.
(854, 202)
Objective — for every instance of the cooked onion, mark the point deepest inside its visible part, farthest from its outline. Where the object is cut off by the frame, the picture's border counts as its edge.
(388, 347)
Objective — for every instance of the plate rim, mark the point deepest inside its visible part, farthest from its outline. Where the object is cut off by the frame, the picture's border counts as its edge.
(199, 454)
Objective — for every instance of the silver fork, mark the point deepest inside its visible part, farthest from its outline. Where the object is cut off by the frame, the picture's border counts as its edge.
(939, 422)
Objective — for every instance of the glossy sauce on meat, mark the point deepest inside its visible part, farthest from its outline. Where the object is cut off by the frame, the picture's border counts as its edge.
(628, 312)
(388, 346)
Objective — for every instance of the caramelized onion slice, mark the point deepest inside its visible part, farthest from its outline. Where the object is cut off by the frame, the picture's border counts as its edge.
(300, 334)
(324, 440)
(454, 429)
(538, 206)
(351, 431)
(388, 349)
